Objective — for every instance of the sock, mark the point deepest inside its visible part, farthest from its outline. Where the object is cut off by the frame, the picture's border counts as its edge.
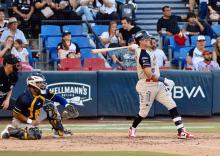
(136, 121)
(176, 119)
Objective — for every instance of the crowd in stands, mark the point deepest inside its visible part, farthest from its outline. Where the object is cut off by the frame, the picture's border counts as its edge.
(25, 21)
(196, 34)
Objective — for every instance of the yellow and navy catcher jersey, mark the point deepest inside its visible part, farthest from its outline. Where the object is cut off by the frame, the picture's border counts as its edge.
(146, 59)
(29, 105)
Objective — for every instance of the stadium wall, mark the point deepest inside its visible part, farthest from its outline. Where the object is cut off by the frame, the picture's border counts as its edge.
(112, 93)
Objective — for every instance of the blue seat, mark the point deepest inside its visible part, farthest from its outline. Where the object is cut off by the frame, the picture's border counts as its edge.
(194, 40)
(216, 29)
(31, 60)
(76, 30)
(50, 30)
(86, 53)
(99, 29)
(175, 47)
(52, 42)
(83, 42)
(183, 52)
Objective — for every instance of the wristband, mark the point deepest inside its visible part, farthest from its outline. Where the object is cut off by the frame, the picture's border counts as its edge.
(29, 121)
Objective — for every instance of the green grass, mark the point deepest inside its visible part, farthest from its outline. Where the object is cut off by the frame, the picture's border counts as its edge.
(11, 153)
(146, 126)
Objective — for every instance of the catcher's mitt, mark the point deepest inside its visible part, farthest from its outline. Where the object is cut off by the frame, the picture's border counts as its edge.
(70, 112)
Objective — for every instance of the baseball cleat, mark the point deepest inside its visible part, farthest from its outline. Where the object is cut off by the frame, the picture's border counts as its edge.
(132, 132)
(185, 135)
(5, 133)
(65, 133)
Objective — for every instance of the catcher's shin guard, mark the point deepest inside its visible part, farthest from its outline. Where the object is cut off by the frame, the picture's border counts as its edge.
(54, 119)
(70, 112)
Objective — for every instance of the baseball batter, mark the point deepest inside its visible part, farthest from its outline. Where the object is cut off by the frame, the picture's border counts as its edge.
(152, 87)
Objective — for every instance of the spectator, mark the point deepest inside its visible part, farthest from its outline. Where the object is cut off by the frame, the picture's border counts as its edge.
(122, 59)
(88, 10)
(167, 26)
(214, 10)
(23, 11)
(194, 26)
(68, 49)
(13, 31)
(203, 9)
(7, 46)
(19, 51)
(44, 10)
(207, 64)
(195, 54)
(216, 53)
(69, 9)
(127, 31)
(160, 55)
(110, 36)
(168, 22)
(107, 11)
(3, 22)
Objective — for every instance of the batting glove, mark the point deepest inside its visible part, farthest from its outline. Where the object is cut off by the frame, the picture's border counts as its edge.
(169, 83)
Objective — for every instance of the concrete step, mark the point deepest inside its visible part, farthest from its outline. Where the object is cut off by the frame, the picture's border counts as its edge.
(160, 5)
(147, 15)
(159, 11)
(159, 1)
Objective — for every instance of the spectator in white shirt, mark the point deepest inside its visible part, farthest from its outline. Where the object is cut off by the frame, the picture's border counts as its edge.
(207, 64)
(160, 55)
(3, 22)
(13, 31)
(110, 36)
(19, 51)
(107, 11)
(195, 54)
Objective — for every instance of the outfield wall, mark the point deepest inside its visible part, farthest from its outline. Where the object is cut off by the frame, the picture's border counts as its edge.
(112, 93)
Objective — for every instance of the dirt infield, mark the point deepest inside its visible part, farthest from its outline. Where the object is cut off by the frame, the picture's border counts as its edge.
(207, 144)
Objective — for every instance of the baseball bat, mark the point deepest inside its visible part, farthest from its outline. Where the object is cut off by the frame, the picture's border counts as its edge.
(95, 51)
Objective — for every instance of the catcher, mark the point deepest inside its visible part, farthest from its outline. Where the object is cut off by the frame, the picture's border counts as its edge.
(27, 110)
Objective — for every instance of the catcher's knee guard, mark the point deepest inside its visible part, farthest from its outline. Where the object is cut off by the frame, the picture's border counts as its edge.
(26, 134)
(54, 118)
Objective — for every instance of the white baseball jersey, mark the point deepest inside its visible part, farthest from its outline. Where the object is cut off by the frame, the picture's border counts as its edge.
(149, 91)
(212, 66)
(146, 58)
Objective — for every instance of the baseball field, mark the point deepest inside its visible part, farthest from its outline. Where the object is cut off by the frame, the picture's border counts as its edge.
(108, 137)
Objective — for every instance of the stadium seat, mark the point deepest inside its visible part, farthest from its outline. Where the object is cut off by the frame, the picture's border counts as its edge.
(83, 42)
(94, 64)
(86, 53)
(52, 42)
(70, 64)
(216, 29)
(183, 52)
(99, 29)
(194, 40)
(50, 30)
(76, 30)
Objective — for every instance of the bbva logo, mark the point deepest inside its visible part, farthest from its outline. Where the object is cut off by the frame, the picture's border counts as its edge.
(76, 93)
(180, 91)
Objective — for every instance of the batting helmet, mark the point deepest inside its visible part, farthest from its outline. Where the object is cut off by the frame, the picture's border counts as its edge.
(38, 81)
(141, 35)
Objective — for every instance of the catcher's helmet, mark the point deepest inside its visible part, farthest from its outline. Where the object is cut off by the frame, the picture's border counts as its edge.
(37, 80)
(142, 34)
